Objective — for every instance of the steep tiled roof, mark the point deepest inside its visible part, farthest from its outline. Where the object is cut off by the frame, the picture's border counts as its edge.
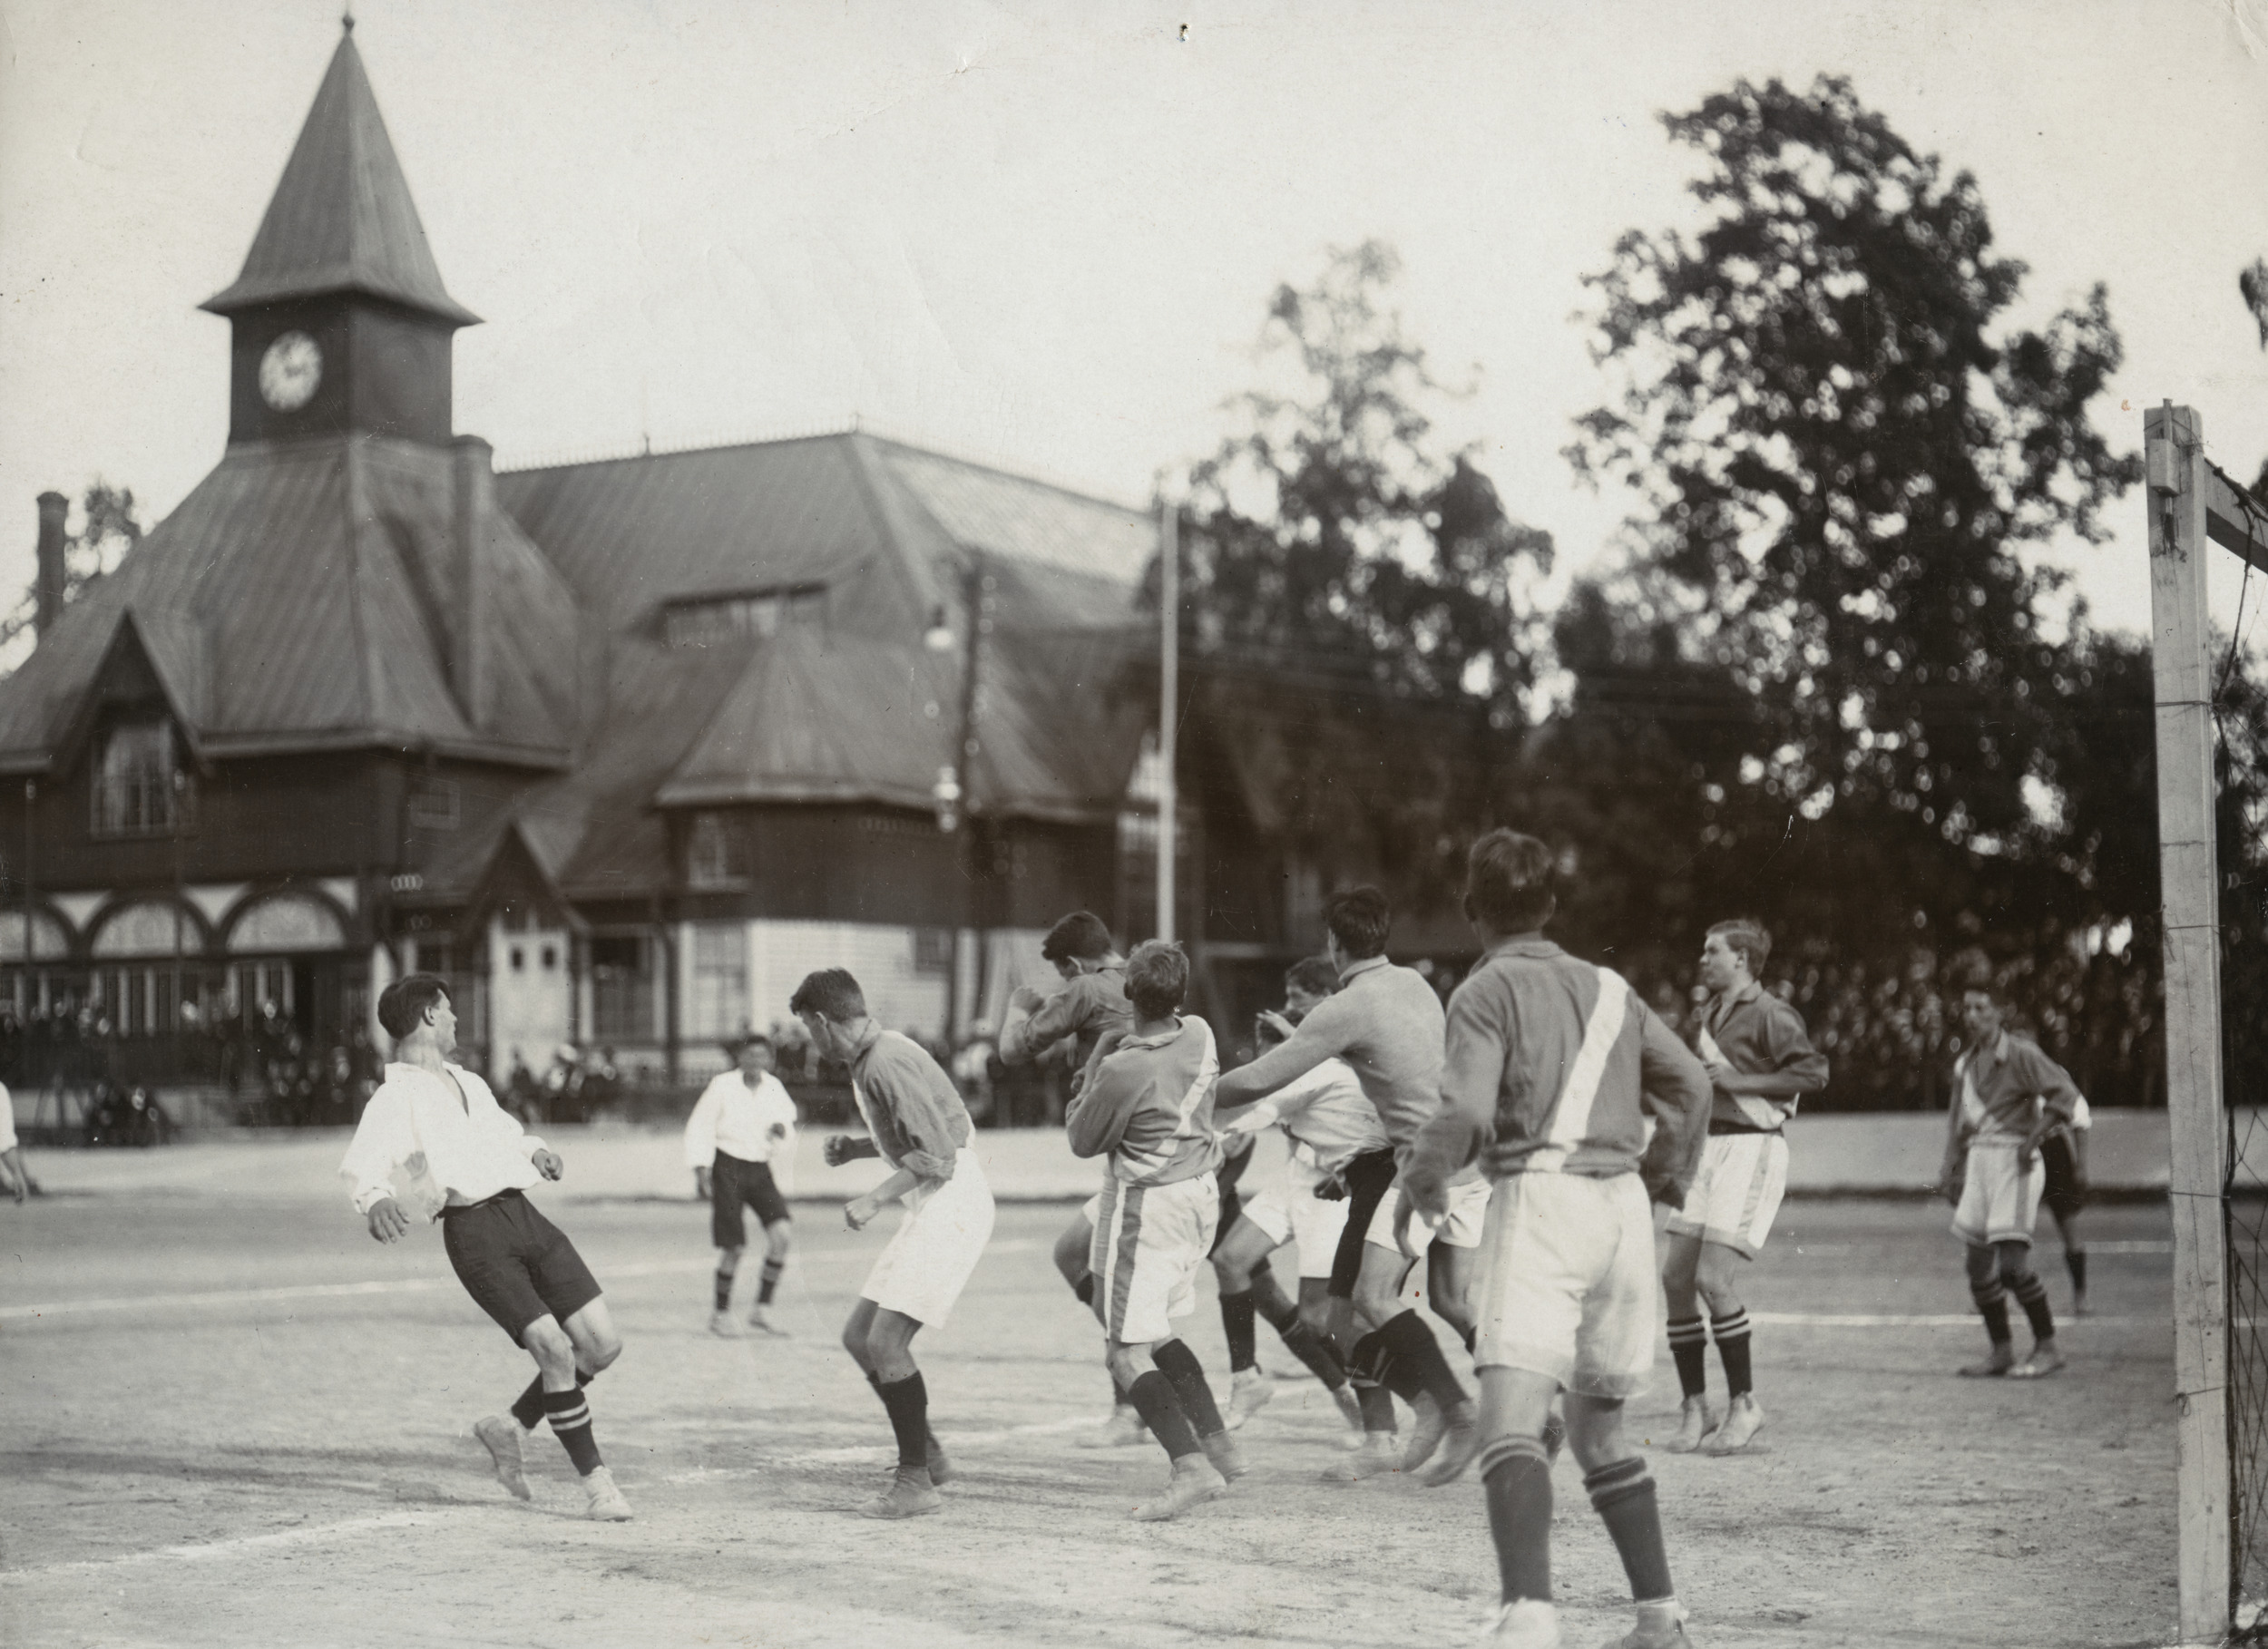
(342, 220)
(304, 596)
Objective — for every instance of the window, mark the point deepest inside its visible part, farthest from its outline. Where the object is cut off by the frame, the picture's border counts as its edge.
(715, 850)
(717, 1000)
(622, 1005)
(140, 787)
(932, 950)
(706, 621)
(433, 804)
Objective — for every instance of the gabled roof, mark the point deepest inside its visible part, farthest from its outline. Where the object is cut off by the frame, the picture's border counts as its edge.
(304, 596)
(342, 220)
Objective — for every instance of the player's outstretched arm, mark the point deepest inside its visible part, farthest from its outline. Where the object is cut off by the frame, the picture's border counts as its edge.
(841, 1148)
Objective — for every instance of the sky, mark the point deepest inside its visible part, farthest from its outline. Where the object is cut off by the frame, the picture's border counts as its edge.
(1045, 235)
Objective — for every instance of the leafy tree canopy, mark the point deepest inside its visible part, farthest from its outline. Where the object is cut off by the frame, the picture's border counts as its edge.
(1842, 453)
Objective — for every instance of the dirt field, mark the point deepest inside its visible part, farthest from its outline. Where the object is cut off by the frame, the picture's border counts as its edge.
(244, 1423)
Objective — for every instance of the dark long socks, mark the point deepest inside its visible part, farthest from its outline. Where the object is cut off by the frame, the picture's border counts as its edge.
(1623, 1496)
(1153, 1394)
(1689, 1349)
(907, 1402)
(1178, 1364)
(1516, 1479)
(723, 1289)
(570, 1424)
(528, 1407)
(1237, 1322)
(1411, 1345)
(767, 1281)
(1731, 1335)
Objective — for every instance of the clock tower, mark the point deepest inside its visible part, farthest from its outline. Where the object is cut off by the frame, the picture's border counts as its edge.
(342, 325)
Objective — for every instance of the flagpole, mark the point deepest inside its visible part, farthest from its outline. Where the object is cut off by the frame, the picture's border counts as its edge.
(1168, 692)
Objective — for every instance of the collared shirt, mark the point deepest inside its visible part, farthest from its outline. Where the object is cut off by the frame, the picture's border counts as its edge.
(1149, 1105)
(1761, 1036)
(2004, 1088)
(1554, 1066)
(910, 1106)
(474, 1148)
(1084, 1011)
(1324, 1114)
(1386, 1024)
(736, 1119)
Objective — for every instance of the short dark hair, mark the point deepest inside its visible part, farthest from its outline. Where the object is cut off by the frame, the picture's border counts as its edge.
(402, 1005)
(831, 993)
(1360, 919)
(1746, 934)
(1510, 882)
(1080, 936)
(740, 1045)
(1155, 976)
(1313, 975)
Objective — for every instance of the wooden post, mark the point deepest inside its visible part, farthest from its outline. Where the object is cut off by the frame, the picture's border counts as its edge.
(1168, 692)
(2174, 439)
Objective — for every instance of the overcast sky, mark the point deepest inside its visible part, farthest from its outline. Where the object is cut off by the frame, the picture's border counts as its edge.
(1045, 234)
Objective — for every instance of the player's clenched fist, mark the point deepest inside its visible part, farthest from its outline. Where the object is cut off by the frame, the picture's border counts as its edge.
(389, 1223)
(838, 1149)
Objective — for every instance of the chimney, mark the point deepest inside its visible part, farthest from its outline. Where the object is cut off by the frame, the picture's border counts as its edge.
(47, 589)
(475, 510)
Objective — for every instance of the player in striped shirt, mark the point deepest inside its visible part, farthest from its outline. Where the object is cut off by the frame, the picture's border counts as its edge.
(1760, 1062)
(1553, 1069)
(1147, 1105)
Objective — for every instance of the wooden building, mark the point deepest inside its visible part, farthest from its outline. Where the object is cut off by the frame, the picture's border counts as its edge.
(623, 747)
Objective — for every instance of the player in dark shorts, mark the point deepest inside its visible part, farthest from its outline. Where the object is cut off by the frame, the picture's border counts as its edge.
(434, 1137)
(744, 1123)
(2063, 1155)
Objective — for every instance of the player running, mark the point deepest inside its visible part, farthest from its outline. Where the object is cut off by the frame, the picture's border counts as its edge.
(742, 1124)
(916, 1123)
(1554, 1067)
(1147, 1105)
(1385, 1022)
(434, 1132)
(1760, 1061)
(1328, 1122)
(2009, 1097)
(1092, 1004)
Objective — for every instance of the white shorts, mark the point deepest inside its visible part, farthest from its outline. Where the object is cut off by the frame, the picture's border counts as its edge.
(1460, 1227)
(1290, 1211)
(1091, 1209)
(1998, 1205)
(928, 1260)
(1737, 1192)
(1567, 1287)
(1150, 1241)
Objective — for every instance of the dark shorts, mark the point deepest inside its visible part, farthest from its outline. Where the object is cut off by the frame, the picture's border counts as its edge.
(515, 1263)
(2065, 1192)
(735, 1185)
(1368, 1179)
(1232, 1206)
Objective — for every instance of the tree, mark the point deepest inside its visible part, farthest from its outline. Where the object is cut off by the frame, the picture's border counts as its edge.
(108, 528)
(1359, 620)
(1841, 453)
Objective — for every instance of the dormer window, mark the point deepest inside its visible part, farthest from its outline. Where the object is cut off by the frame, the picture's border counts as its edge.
(715, 851)
(707, 620)
(140, 787)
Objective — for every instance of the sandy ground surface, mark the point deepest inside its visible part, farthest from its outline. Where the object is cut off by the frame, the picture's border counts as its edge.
(227, 1419)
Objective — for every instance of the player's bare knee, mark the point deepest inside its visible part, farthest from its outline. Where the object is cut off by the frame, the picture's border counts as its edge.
(548, 1343)
(1594, 1431)
(779, 1237)
(1071, 1252)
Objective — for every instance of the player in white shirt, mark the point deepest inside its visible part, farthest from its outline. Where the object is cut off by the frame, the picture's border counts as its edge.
(740, 1141)
(19, 1176)
(1328, 1121)
(435, 1135)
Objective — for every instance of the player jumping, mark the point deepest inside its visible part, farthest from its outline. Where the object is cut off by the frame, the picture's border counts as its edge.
(2009, 1097)
(742, 1124)
(1553, 1067)
(433, 1130)
(916, 1123)
(1147, 1105)
(1760, 1062)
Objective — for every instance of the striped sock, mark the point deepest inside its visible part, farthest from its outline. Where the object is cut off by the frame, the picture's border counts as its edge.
(724, 1290)
(1731, 1333)
(1992, 1305)
(1689, 1348)
(1516, 1479)
(528, 1407)
(1622, 1495)
(570, 1424)
(2031, 1293)
(768, 1281)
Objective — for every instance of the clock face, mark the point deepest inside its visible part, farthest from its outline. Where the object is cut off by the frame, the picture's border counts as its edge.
(290, 372)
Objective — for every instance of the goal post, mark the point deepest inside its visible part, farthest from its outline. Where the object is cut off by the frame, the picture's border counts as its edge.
(2192, 508)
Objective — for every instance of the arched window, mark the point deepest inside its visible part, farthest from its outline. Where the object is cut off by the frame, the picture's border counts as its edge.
(286, 922)
(140, 787)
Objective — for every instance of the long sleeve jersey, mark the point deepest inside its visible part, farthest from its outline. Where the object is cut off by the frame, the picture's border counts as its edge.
(1760, 1036)
(1386, 1024)
(1148, 1105)
(2006, 1090)
(1324, 1114)
(736, 1119)
(1083, 1012)
(474, 1148)
(1553, 1067)
(910, 1106)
